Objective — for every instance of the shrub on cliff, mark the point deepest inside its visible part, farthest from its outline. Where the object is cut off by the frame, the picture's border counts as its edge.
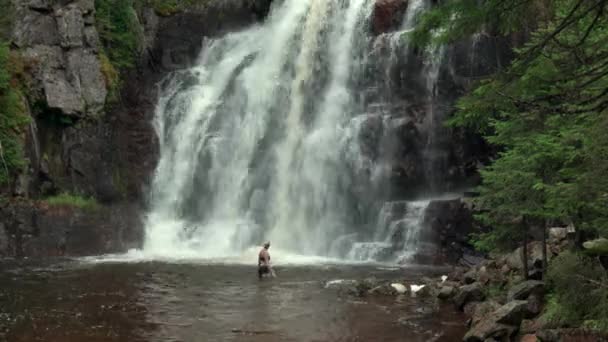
(71, 200)
(120, 33)
(12, 117)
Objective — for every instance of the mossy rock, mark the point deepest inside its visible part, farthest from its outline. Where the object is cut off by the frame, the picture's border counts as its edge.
(596, 247)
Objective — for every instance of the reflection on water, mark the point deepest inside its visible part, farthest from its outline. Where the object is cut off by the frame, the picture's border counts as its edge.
(151, 301)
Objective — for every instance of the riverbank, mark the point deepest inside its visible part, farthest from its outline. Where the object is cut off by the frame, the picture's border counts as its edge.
(503, 306)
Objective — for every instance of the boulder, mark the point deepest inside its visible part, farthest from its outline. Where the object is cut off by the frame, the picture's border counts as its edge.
(470, 277)
(535, 304)
(446, 292)
(596, 247)
(469, 293)
(523, 290)
(549, 335)
(529, 326)
(558, 233)
(511, 313)
(536, 274)
(529, 338)
(535, 256)
(479, 310)
(488, 329)
(484, 276)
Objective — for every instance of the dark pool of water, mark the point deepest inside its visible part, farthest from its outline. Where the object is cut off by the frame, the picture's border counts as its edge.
(74, 301)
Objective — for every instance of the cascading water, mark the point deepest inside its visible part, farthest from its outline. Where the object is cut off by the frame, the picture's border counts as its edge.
(261, 140)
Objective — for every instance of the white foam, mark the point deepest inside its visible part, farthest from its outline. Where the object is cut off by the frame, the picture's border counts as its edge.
(248, 257)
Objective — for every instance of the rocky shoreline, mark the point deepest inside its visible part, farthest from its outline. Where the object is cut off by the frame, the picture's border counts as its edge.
(499, 303)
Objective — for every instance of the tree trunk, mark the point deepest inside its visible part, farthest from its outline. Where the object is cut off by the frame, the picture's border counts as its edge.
(545, 261)
(524, 256)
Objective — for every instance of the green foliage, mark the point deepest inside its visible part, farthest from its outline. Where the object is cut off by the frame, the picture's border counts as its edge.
(495, 291)
(169, 7)
(6, 18)
(12, 116)
(110, 75)
(546, 114)
(460, 18)
(580, 293)
(71, 200)
(118, 29)
(120, 33)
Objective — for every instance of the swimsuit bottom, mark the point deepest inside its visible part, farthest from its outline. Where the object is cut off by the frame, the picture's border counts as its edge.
(262, 270)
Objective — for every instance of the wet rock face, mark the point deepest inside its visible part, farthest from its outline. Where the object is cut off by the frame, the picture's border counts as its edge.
(75, 143)
(38, 230)
(62, 45)
(388, 15)
(174, 42)
(448, 224)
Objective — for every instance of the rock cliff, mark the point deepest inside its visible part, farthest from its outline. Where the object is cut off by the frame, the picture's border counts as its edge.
(84, 140)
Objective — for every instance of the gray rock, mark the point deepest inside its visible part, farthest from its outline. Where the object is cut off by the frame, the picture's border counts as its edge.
(558, 233)
(34, 28)
(46, 57)
(470, 277)
(597, 247)
(469, 260)
(39, 5)
(86, 6)
(523, 290)
(535, 304)
(511, 313)
(91, 38)
(536, 274)
(488, 329)
(85, 70)
(469, 293)
(71, 26)
(61, 95)
(535, 256)
(480, 310)
(549, 335)
(483, 275)
(4, 243)
(446, 292)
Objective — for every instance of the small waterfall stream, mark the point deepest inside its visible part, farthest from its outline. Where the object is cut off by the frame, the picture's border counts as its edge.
(278, 133)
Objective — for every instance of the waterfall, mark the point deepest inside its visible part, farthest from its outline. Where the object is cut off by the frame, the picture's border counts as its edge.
(262, 140)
